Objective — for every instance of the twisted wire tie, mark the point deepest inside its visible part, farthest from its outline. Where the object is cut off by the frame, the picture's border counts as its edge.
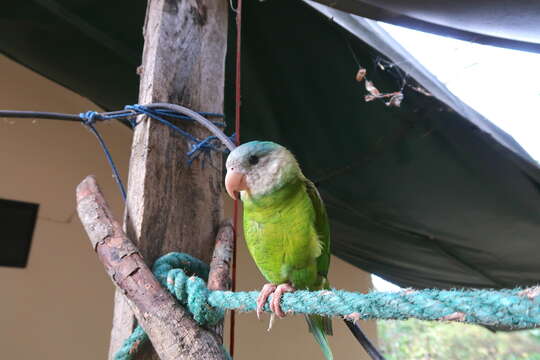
(130, 112)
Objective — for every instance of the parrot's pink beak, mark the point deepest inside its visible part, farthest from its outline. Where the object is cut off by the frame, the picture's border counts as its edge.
(234, 181)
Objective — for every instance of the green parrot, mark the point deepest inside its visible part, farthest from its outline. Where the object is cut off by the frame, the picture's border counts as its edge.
(285, 226)
(287, 231)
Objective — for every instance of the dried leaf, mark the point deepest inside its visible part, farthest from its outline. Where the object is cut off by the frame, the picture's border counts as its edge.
(361, 74)
(369, 98)
(389, 95)
(395, 100)
(372, 89)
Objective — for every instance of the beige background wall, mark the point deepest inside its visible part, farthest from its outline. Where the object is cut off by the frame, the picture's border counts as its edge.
(60, 306)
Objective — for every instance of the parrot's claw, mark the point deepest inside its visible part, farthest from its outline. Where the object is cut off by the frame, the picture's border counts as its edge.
(276, 298)
(266, 291)
(271, 323)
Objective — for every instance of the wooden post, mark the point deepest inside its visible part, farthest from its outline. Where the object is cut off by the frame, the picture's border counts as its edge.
(172, 206)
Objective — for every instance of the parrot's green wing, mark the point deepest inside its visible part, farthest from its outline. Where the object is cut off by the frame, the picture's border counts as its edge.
(321, 326)
(322, 227)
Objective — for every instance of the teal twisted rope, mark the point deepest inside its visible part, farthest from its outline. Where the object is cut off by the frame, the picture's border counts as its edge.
(185, 277)
(505, 308)
(509, 308)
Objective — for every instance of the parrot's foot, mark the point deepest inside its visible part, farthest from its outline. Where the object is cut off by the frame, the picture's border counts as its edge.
(276, 298)
(266, 291)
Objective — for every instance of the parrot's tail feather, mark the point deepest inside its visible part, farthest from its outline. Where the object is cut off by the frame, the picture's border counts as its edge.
(327, 325)
(321, 326)
(324, 322)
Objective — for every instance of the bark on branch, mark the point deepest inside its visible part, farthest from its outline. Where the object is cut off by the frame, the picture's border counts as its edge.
(171, 329)
(219, 277)
(220, 266)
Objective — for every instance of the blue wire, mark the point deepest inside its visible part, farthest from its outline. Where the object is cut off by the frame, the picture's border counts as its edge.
(199, 145)
(89, 118)
(141, 109)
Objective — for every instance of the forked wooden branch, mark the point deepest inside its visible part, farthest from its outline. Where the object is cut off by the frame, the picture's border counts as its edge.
(220, 266)
(219, 277)
(172, 331)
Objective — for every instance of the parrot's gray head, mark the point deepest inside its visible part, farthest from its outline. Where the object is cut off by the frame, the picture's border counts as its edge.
(259, 167)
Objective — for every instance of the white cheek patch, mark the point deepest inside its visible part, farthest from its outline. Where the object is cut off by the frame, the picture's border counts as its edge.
(271, 168)
(270, 172)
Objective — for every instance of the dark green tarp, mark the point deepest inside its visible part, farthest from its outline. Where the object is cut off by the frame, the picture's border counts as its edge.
(427, 194)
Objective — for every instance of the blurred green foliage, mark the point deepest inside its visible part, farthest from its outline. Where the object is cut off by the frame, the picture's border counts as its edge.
(425, 340)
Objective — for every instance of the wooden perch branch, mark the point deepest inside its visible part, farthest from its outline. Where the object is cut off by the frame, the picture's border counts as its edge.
(219, 277)
(172, 331)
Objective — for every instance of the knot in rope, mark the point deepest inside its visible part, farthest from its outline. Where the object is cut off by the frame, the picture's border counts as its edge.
(172, 272)
(185, 277)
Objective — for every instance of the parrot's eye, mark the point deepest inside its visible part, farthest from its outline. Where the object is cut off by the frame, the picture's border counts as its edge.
(253, 159)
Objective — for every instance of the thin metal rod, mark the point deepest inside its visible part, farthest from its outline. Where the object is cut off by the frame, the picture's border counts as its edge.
(238, 104)
(39, 115)
(368, 346)
(124, 114)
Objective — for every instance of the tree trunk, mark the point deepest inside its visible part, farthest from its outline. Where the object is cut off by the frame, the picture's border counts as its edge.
(172, 206)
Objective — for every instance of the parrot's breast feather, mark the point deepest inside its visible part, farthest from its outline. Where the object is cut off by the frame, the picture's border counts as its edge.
(284, 240)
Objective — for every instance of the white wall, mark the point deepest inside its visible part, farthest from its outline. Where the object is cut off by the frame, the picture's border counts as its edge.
(59, 307)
